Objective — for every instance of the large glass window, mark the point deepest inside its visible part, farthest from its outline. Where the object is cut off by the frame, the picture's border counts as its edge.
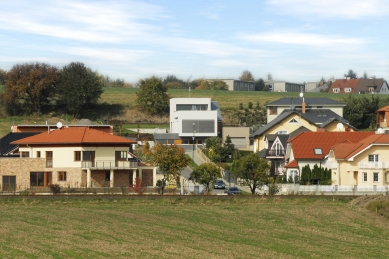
(192, 107)
(373, 158)
(40, 179)
(88, 155)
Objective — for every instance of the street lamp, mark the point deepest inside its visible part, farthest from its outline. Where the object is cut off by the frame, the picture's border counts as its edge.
(193, 139)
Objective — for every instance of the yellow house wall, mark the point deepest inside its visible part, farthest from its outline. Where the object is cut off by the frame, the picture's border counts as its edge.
(346, 169)
(332, 127)
(284, 126)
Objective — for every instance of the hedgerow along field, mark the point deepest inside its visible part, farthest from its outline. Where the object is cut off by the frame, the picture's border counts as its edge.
(189, 227)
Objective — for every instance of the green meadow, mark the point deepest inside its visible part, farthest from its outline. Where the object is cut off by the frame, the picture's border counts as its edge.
(190, 227)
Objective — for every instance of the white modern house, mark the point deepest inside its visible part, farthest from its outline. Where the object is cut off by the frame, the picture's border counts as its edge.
(194, 120)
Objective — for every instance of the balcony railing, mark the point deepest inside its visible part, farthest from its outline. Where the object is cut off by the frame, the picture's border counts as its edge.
(374, 165)
(110, 164)
(275, 152)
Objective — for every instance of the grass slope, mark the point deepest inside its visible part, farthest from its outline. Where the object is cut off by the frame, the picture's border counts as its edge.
(179, 227)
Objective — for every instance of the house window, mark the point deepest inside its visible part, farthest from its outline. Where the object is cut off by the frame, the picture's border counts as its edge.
(347, 90)
(121, 155)
(293, 121)
(61, 176)
(318, 151)
(364, 177)
(49, 159)
(40, 179)
(38, 154)
(77, 155)
(375, 177)
(373, 158)
(88, 155)
(335, 90)
(9, 183)
(25, 154)
(273, 110)
(107, 175)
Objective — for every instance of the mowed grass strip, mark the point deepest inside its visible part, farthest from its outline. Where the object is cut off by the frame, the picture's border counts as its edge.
(214, 227)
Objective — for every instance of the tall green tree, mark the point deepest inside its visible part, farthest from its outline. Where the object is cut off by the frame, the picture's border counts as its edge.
(252, 170)
(170, 160)
(259, 84)
(30, 86)
(152, 96)
(246, 76)
(2, 76)
(351, 74)
(206, 174)
(361, 111)
(78, 87)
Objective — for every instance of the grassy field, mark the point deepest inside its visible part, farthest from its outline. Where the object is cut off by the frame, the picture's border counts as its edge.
(189, 227)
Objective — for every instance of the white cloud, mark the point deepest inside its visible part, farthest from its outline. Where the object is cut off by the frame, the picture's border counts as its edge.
(349, 9)
(298, 38)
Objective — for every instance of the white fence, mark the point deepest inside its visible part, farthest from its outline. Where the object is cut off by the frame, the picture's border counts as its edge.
(293, 189)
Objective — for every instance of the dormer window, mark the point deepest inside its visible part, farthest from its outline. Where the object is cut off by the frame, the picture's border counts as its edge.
(336, 90)
(347, 90)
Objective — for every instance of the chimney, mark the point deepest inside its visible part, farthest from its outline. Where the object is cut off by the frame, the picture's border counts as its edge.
(303, 107)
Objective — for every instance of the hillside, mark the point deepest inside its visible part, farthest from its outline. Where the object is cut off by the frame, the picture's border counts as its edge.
(119, 103)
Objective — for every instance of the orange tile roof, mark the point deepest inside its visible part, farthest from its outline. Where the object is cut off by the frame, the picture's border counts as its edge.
(386, 108)
(303, 144)
(74, 135)
(344, 83)
(346, 151)
(292, 164)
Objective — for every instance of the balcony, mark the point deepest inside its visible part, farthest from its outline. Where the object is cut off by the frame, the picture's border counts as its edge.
(275, 152)
(374, 165)
(109, 164)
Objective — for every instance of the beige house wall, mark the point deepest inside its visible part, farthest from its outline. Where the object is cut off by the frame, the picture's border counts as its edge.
(332, 127)
(236, 132)
(259, 141)
(64, 157)
(350, 173)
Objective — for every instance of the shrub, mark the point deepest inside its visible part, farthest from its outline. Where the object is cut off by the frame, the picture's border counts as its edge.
(55, 189)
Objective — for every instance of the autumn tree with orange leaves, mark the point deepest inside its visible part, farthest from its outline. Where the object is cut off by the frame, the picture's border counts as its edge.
(170, 160)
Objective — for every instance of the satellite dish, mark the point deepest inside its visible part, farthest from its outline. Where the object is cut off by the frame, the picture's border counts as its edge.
(301, 94)
(380, 130)
(59, 124)
(339, 126)
(12, 128)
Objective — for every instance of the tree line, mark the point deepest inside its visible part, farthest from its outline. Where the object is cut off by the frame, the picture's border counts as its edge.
(40, 87)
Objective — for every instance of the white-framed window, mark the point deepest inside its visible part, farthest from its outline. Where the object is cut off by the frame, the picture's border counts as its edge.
(375, 177)
(364, 177)
(347, 90)
(373, 158)
(335, 90)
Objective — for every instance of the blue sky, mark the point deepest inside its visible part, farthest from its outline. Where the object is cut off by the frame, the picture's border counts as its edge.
(297, 41)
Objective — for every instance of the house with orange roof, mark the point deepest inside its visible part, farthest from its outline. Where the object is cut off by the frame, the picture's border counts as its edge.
(310, 148)
(363, 165)
(360, 86)
(76, 157)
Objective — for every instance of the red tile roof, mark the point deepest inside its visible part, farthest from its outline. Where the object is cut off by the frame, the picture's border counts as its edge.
(346, 151)
(303, 144)
(74, 135)
(292, 164)
(386, 108)
(344, 83)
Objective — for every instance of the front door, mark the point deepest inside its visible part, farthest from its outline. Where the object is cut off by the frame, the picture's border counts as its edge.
(9, 183)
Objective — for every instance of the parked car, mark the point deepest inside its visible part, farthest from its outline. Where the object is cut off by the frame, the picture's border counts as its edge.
(219, 184)
(233, 191)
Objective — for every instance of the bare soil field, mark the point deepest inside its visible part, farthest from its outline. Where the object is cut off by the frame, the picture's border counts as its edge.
(190, 227)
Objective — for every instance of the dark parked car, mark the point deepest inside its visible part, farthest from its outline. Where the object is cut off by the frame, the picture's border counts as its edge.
(219, 184)
(232, 191)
